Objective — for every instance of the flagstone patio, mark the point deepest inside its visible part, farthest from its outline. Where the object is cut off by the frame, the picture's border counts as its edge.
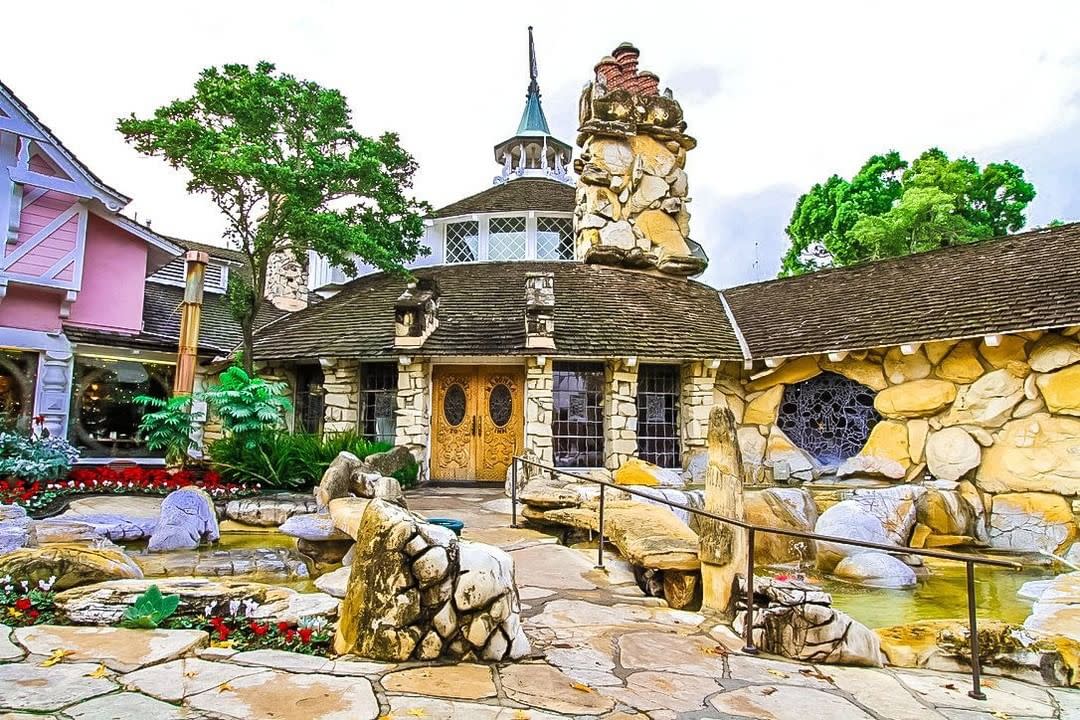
(603, 650)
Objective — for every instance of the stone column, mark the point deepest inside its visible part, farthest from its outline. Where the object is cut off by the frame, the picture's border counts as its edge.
(413, 416)
(341, 410)
(723, 546)
(54, 390)
(287, 280)
(539, 409)
(696, 401)
(620, 413)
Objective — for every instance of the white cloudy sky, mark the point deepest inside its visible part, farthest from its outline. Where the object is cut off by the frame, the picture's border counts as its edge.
(780, 95)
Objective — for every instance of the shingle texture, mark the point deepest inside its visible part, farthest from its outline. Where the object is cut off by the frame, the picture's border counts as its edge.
(599, 312)
(522, 194)
(1018, 282)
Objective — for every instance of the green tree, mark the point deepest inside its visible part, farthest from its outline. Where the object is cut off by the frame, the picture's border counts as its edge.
(891, 207)
(281, 160)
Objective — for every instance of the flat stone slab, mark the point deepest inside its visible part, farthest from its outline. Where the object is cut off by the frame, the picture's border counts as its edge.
(543, 686)
(132, 506)
(256, 564)
(269, 510)
(27, 686)
(175, 680)
(1014, 699)
(8, 649)
(407, 708)
(465, 681)
(278, 695)
(877, 689)
(126, 705)
(118, 649)
(552, 566)
(786, 703)
(665, 691)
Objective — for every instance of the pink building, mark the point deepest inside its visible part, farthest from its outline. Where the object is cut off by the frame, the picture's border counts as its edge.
(89, 299)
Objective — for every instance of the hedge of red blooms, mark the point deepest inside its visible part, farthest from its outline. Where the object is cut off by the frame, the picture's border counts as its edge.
(102, 479)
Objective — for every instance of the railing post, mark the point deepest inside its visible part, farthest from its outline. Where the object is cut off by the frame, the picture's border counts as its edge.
(600, 548)
(973, 636)
(748, 624)
(513, 492)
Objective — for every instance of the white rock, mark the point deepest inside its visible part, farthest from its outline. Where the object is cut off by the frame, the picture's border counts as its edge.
(432, 566)
(875, 569)
(335, 583)
(486, 573)
(315, 527)
(951, 453)
(187, 519)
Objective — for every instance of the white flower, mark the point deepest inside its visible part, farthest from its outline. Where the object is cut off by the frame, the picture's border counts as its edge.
(25, 585)
(9, 588)
(5, 579)
(250, 606)
(234, 607)
(208, 610)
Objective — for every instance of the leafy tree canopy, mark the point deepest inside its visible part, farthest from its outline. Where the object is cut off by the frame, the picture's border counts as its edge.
(892, 207)
(279, 157)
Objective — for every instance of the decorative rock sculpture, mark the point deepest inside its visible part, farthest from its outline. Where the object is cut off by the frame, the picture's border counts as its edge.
(348, 476)
(632, 189)
(187, 519)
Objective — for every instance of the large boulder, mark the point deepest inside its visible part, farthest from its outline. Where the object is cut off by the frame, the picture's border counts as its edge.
(104, 603)
(781, 452)
(946, 512)
(187, 520)
(1061, 390)
(961, 365)
(389, 462)
(1031, 522)
(114, 527)
(989, 401)
(1037, 453)
(314, 527)
(786, 508)
(885, 516)
(416, 592)
(640, 472)
(71, 565)
(951, 453)
(16, 529)
(349, 476)
(1053, 352)
(269, 510)
(918, 398)
(875, 569)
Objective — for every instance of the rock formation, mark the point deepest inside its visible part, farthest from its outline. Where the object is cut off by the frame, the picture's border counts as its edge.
(723, 546)
(187, 519)
(632, 189)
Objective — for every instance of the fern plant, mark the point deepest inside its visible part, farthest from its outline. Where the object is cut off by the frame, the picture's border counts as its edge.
(150, 609)
(249, 406)
(169, 427)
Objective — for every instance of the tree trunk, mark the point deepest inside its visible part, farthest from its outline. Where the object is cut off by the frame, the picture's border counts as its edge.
(723, 546)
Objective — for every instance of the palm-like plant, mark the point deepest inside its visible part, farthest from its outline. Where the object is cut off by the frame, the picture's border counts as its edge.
(249, 406)
(168, 427)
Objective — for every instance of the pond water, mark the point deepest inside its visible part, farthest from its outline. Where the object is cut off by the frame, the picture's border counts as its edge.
(940, 596)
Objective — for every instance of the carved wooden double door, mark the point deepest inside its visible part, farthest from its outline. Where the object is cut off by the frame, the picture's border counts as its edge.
(478, 421)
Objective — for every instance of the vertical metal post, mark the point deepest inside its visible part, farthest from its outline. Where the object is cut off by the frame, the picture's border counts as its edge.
(513, 492)
(748, 623)
(600, 547)
(973, 636)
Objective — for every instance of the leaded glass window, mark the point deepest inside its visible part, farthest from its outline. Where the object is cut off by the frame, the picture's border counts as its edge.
(309, 398)
(378, 401)
(829, 416)
(462, 242)
(658, 415)
(506, 238)
(18, 380)
(578, 428)
(554, 238)
(104, 417)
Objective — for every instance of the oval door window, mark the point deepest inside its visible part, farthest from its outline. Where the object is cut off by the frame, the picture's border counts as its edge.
(454, 405)
(500, 405)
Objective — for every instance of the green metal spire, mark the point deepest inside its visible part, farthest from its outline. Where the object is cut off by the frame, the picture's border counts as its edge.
(533, 121)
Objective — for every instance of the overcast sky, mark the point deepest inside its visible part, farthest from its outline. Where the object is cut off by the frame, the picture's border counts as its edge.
(779, 95)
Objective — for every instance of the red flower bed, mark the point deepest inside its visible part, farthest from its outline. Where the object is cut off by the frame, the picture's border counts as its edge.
(135, 480)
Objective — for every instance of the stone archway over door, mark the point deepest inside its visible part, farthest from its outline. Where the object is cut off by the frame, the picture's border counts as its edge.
(478, 421)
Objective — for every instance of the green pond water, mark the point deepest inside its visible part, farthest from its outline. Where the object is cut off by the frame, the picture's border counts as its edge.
(940, 596)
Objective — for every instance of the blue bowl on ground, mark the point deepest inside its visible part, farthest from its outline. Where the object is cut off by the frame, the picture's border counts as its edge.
(456, 525)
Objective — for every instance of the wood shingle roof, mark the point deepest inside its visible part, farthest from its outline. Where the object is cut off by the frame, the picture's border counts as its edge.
(519, 194)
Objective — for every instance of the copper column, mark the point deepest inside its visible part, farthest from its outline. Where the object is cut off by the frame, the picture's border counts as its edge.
(190, 315)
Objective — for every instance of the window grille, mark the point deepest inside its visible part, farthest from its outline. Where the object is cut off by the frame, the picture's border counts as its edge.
(309, 398)
(578, 428)
(378, 401)
(554, 238)
(506, 238)
(829, 416)
(658, 415)
(463, 242)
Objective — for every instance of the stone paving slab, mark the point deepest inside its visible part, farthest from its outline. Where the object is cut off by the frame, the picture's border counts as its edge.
(118, 649)
(407, 708)
(278, 695)
(128, 706)
(8, 649)
(869, 687)
(465, 681)
(1003, 696)
(540, 685)
(786, 703)
(29, 687)
(175, 680)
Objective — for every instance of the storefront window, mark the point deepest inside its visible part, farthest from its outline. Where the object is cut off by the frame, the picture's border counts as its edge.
(18, 379)
(579, 414)
(104, 417)
(378, 401)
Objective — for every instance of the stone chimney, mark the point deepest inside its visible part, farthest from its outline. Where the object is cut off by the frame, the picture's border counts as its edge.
(632, 187)
(540, 310)
(416, 313)
(287, 281)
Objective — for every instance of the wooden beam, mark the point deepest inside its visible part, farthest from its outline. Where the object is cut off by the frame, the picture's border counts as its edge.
(29, 177)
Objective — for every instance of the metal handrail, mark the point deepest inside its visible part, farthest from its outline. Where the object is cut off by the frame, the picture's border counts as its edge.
(969, 560)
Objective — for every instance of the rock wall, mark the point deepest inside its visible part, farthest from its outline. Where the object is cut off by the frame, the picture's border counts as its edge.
(620, 413)
(632, 188)
(998, 424)
(539, 409)
(287, 281)
(341, 410)
(413, 428)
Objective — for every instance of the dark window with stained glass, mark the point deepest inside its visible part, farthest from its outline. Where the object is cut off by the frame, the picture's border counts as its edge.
(309, 398)
(579, 414)
(18, 379)
(104, 417)
(378, 401)
(829, 416)
(658, 415)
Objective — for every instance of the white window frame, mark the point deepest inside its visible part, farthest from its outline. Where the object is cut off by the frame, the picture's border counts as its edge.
(484, 230)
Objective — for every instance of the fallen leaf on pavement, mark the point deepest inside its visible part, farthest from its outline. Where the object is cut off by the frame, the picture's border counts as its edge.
(99, 673)
(57, 656)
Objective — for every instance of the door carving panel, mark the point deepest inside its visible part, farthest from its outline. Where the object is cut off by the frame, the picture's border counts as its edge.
(501, 421)
(453, 424)
(478, 421)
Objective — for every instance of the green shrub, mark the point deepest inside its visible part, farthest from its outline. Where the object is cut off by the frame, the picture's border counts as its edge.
(249, 406)
(169, 427)
(286, 460)
(150, 609)
(36, 459)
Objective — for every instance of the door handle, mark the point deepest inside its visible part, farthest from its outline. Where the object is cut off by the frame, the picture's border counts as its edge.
(473, 425)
